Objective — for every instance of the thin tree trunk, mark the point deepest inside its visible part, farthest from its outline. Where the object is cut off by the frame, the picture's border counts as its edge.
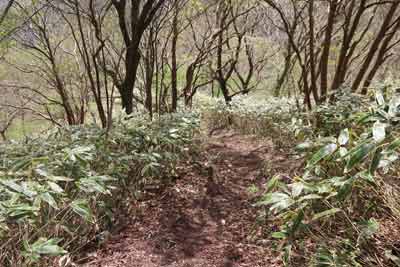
(327, 48)
(174, 70)
(312, 55)
(375, 46)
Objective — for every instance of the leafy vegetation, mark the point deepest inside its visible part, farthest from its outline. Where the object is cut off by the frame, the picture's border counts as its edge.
(247, 115)
(332, 211)
(64, 190)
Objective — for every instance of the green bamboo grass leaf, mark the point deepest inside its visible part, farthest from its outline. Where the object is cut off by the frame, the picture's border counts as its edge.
(287, 255)
(309, 197)
(358, 155)
(60, 179)
(343, 152)
(379, 131)
(326, 213)
(380, 99)
(367, 176)
(47, 247)
(21, 211)
(23, 189)
(345, 189)
(81, 207)
(55, 187)
(322, 153)
(11, 184)
(344, 137)
(48, 198)
(273, 183)
(375, 160)
(90, 185)
(278, 201)
(394, 145)
(42, 172)
(297, 189)
(279, 235)
(369, 228)
(272, 198)
(21, 164)
(354, 149)
(383, 114)
(51, 250)
(303, 146)
(297, 222)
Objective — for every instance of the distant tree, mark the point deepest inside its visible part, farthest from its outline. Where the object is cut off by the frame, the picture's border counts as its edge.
(235, 25)
(134, 18)
(6, 10)
(338, 43)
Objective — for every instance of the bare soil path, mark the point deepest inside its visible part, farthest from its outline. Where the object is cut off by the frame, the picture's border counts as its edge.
(205, 219)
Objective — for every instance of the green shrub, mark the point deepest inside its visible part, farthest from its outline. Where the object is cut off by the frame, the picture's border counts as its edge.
(335, 202)
(60, 192)
(273, 117)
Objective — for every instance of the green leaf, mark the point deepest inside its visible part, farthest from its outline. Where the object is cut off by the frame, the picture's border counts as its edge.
(394, 145)
(297, 188)
(369, 228)
(379, 131)
(296, 222)
(60, 179)
(287, 255)
(325, 213)
(272, 183)
(343, 151)
(303, 146)
(90, 185)
(279, 201)
(346, 189)
(344, 137)
(367, 176)
(55, 187)
(394, 106)
(322, 153)
(309, 197)
(380, 99)
(11, 184)
(21, 164)
(48, 198)
(375, 160)
(47, 247)
(358, 155)
(81, 207)
(21, 211)
(279, 235)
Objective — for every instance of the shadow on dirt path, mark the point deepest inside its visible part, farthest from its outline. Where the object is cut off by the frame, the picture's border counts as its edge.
(206, 219)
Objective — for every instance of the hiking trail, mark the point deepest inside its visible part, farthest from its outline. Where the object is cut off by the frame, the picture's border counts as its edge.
(207, 218)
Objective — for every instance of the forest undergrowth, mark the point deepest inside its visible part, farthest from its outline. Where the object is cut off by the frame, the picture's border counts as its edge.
(313, 188)
(342, 209)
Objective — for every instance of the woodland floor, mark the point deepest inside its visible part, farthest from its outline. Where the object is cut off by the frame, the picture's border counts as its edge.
(207, 217)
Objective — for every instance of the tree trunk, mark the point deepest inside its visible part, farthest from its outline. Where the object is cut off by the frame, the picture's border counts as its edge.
(283, 76)
(312, 54)
(375, 46)
(149, 66)
(132, 64)
(326, 49)
(3, 135)
(224, 89)
(174, 70)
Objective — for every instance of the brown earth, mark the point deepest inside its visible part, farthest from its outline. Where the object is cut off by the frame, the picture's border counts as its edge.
(207, 218)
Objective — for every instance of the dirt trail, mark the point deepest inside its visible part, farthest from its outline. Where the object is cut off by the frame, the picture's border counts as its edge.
(201, 222)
